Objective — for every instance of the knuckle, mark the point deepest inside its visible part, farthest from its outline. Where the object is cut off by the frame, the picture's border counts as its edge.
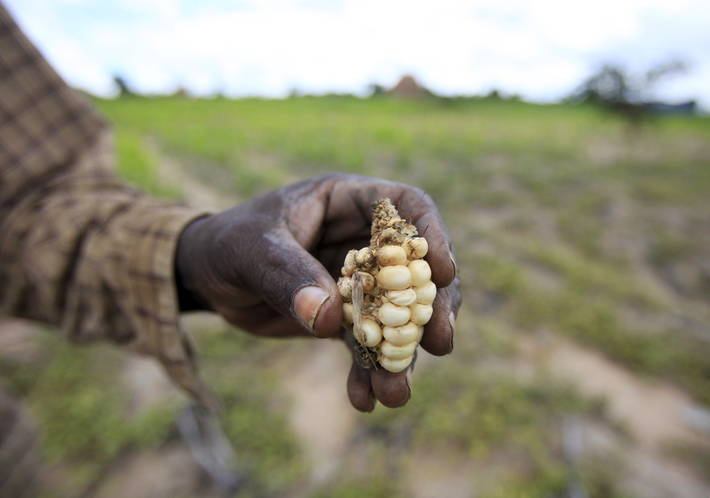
(417, 194)
(331, 177)
(421, 193)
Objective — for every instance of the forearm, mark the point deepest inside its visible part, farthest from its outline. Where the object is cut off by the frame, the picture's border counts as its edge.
(93, 257)
(78, 249)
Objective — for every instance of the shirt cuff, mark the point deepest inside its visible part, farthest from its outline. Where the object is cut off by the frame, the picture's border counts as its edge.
(152, 289)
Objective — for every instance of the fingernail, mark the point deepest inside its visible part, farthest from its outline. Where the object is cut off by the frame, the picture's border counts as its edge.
(453, 262)
(307, 303)
(452, 324)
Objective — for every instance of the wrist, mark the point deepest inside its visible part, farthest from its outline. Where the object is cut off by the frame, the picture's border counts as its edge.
(186, 272)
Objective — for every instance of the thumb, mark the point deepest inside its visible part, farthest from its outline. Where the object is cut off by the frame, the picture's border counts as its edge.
(295, 283)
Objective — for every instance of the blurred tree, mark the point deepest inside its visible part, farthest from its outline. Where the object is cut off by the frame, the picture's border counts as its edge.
(494, 94)
(376, 89)
(181, 92)
(124, 88)
(614, 88)
(219, 94)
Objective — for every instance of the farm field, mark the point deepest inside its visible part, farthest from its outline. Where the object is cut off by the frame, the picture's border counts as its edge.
(582, 357)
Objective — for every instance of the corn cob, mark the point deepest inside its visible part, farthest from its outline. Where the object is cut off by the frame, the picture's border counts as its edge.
(387, 291)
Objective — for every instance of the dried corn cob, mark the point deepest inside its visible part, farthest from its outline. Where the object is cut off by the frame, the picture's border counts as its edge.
(387, 291)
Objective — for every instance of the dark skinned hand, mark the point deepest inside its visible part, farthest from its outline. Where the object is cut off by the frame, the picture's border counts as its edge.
(269, 266)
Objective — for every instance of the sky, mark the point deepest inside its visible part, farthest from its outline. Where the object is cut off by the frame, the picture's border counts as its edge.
(540, 50)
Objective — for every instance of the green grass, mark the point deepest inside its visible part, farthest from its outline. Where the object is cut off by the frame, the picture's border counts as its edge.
(137, 166)
(84, 420)
(312, 135)
(456, 407)
(254, 416)
(81, 412)
(484, 415)
(373, 488)
(588, 308)
(562, 222)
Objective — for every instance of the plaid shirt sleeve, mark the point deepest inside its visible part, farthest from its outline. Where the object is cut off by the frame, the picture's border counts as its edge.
(78, 249)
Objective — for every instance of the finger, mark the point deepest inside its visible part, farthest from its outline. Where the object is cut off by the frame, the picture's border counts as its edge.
(279, 326)
(294, 283)
(391, 389)
(349, 210)
(438, 338)
(418, 208)
(262, 320)
(360, 390)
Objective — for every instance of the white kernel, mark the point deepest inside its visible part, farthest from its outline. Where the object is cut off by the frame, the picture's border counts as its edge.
(349, 264)
(364, 256)
(392, 315)
(372, 332)
(345, 287)
(418, 247)
(402, 297)
(391, 255)
(421, 313)
(420, 271)
(394, 277)
(393, 352)
(395, 366)
(348, 312)
(368, 281)
(400, 336)
(426, 293)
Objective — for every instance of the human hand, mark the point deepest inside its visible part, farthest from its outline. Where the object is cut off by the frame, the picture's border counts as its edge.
(269, 267)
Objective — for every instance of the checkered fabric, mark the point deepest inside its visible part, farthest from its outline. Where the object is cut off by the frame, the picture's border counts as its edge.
(79, 249)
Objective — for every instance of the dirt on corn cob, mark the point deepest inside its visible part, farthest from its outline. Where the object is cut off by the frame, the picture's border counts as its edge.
(387, 291)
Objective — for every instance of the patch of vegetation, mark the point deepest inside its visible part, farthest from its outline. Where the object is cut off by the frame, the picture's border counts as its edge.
(667, 248)
(543, 481)
(586, 309)
(137, 166)
(669, 183)
(254, 414)
(582, 223)
(80, 411)
(539, 483)
(475, 413)
(697, 456)
(482, 415)
(590, 277)
(535, 196)
(257, 427)
(495, 338)
(372, 488)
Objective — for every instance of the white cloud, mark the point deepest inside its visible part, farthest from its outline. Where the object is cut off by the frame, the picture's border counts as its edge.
(538, 49)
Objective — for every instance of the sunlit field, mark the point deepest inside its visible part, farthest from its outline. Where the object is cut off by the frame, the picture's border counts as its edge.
(582, 354)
